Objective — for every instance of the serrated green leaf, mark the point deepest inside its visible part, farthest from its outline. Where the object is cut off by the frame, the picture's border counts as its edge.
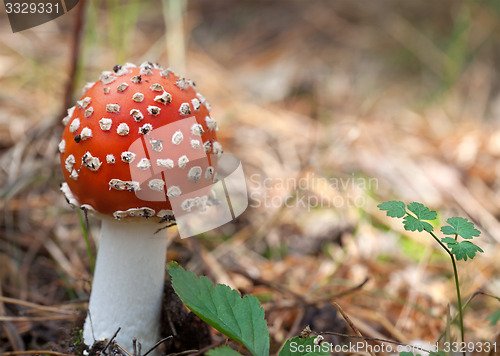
(241, 319)
(416, 222)
(408, 353)
(449, 241)
(394, 208)
(495, 317)
(223, 351)
(297, 346)
(421, 211)
(461, 227)
(411, 223)
(464, 250)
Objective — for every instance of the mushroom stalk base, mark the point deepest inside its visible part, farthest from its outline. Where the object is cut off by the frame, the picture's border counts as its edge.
(128, 284)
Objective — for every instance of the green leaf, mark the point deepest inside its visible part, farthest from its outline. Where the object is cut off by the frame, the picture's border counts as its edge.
(241, 319)
(461, 227)
(421, 211)
(297, 346)
(408, 353)
(495, 317)
(464, 249)
(395, 209)
(449, 241)
(416, 222)
(411, 223)
(223, 351)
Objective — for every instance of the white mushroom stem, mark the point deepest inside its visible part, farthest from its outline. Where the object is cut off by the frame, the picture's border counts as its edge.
(128, 284)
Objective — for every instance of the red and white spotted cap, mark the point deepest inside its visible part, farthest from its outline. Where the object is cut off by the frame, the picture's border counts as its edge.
(137, 138)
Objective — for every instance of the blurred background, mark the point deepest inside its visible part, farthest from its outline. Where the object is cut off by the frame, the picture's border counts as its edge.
(332, 106)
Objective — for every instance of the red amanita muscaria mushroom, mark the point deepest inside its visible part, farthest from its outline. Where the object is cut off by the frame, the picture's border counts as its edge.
(136, 139)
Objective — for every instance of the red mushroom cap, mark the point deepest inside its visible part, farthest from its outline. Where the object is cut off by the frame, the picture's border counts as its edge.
(136, 138)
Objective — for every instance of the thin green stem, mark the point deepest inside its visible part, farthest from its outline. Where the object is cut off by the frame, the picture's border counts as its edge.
(457, 285)
(83, 224)
(466, 305)
(460, 312)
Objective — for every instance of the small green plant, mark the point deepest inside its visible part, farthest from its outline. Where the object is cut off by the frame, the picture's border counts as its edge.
(241, 319)
(417, 217)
